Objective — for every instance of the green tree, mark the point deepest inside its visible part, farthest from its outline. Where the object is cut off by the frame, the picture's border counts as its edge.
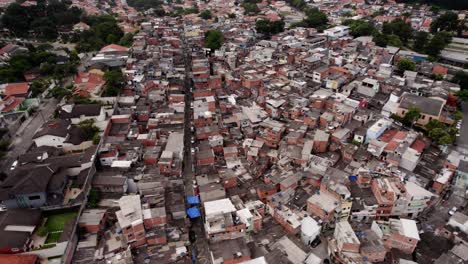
(114, 82)
(60, 92)
(38, 87)
(268, 27)
(433, 124)
(109, 32)
(463, 95)
(406, 65)
(93, 198)
(458, 115)
(398, 27)
(394, 40)
(16, 19)
(206, 14)
(380, 40)
(360, 28)
(446, 139)
(420, 41)
(461, 78)
(438, 43)
(145, 4)
(126, 40)
(250, 9)
(315, 18)
(89, 128)
(214, 39)
(445, 22)
(45, 28)
(232, 15)
(411, 116)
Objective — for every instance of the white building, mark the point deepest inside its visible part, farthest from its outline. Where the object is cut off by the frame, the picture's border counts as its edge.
(337, 32)
(310, 230)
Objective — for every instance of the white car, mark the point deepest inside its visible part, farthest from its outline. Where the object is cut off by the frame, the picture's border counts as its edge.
(193, 151)
(453, 211)
(13, 166)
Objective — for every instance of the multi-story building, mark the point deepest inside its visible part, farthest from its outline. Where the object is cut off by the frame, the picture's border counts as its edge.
(130, 219)
(400, 234)
(222, 221)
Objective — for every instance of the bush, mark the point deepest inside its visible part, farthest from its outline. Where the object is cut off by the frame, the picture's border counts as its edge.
(42, 231)
(94, 198)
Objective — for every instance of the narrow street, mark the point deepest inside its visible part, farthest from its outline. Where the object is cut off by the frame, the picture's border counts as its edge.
(462, 140)
(22, 141)
(200, 247)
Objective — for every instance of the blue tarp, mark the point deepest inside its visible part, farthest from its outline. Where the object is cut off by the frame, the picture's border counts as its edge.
(193, 200)
(193, 212)
(353, 178)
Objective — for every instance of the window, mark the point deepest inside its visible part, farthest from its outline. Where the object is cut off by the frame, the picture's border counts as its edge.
(34, 197)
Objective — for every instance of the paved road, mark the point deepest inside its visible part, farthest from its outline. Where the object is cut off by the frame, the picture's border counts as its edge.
(462, 140)
(18, 41)
(201, 244)
(23, 141)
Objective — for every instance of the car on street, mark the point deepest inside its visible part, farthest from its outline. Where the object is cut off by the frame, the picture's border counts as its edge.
(13, 165)
(193, 151)
(316, 242)
(453, 211)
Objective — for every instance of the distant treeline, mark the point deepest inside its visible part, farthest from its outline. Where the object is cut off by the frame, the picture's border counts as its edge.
(447, 4)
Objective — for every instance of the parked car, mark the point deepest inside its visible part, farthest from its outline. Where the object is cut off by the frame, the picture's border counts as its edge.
(316, 242)
(13, 165)
(453, 211)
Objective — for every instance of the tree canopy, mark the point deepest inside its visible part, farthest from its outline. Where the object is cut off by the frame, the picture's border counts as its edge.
(214, 39)
(114, 82)
(399, 28)
(360, 28)
(41, 60)
(461, 77)
(406, 65)
(43, 19)
(438, 43)
(411, 116)
(250, 9)
(206, 14)
(315, 18)
(145, 4)
(445, 22)
(104, 30)
(420, 41)
(268, 27)
(448, 4)
(380, 40)
(440, 133)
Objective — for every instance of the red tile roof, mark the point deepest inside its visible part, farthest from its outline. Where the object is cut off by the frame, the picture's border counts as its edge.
(439, 70)
(113, 47)
(388, 135)
(87, 83)
(7, 48)
(16, 88)
(391, 146)
(418, 145)
(400, 135)
(11, 103)
(18, 259)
